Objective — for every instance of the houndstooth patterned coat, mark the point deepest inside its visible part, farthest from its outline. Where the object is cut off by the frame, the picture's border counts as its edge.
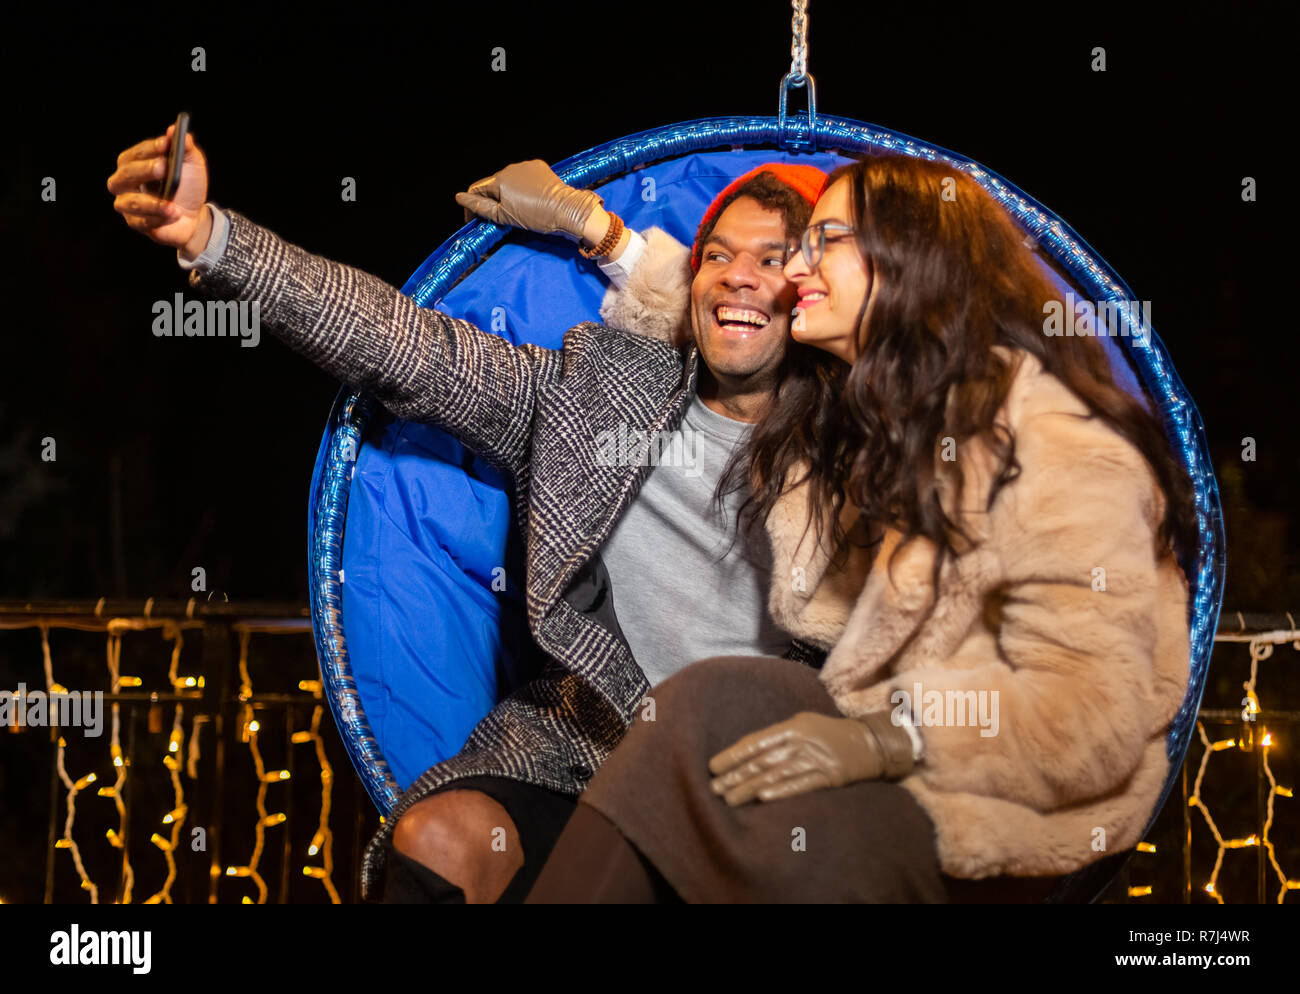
(534, 412)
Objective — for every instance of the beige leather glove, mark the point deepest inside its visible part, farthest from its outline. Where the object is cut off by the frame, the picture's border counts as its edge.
(809, 752)
(529, 195)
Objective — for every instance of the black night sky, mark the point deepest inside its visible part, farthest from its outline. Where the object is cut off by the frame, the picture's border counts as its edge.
(177, 452)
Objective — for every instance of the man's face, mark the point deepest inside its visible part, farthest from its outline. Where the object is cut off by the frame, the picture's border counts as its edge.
(740, 299)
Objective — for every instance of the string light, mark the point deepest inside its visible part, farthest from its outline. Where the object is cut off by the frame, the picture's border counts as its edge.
(176, 816)
(116, 681)
(322, 841)
(73, 788)
(67, 841)
(167, 840)
(1142, 890)
(1261, 648)
(249, 735)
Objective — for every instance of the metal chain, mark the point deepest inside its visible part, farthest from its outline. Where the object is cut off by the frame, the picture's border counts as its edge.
(799, 43)
(797, 133)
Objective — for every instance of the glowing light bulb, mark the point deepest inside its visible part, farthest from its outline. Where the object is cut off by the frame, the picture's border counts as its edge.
(175, 814)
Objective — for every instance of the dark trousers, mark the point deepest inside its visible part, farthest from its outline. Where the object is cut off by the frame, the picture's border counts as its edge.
(594, 864)
(597, 865)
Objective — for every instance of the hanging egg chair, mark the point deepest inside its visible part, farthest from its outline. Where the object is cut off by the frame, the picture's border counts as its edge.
(415, 577)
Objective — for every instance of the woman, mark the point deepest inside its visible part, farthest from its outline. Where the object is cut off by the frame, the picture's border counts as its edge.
(979, 525)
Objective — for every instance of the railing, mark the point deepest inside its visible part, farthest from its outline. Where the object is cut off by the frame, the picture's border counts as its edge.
(1261, 723)
(218, 775)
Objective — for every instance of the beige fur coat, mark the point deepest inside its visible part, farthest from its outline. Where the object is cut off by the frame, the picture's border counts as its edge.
(1061, 623)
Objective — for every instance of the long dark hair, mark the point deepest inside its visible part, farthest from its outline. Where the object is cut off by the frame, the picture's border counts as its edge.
(955, 279)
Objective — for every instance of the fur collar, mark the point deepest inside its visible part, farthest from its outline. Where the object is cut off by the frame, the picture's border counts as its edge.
(816, 603)
(656, 301)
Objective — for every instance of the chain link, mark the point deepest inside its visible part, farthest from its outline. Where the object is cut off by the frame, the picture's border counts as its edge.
(799, 43)
(794, 133)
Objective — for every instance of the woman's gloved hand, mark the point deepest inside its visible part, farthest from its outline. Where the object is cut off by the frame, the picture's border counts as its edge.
(808, 752)
(529, 195)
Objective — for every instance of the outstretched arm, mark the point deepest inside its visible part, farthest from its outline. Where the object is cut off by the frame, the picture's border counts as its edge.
(421, 364)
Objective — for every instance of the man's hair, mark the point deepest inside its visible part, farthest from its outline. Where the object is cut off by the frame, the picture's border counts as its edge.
(771, 194)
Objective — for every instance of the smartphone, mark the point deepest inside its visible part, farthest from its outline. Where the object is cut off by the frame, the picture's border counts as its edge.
(175, 157)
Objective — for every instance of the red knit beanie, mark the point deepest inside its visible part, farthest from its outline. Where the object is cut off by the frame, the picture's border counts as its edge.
(807, 181)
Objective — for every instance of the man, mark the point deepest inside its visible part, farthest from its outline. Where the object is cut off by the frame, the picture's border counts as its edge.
(623, 573)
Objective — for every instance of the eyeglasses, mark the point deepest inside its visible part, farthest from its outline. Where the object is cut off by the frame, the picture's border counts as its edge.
(813, 242)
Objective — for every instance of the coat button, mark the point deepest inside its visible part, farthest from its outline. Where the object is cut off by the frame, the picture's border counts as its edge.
(580, 771)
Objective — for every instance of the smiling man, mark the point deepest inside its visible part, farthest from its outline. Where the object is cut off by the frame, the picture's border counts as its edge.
(673, 579)
(741, 301)
(622, 591)
(671, 551)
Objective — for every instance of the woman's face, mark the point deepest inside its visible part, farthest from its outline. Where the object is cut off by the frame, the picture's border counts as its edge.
(831, 294)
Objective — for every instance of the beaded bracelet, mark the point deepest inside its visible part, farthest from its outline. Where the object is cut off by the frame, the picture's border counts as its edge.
(607, 243)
